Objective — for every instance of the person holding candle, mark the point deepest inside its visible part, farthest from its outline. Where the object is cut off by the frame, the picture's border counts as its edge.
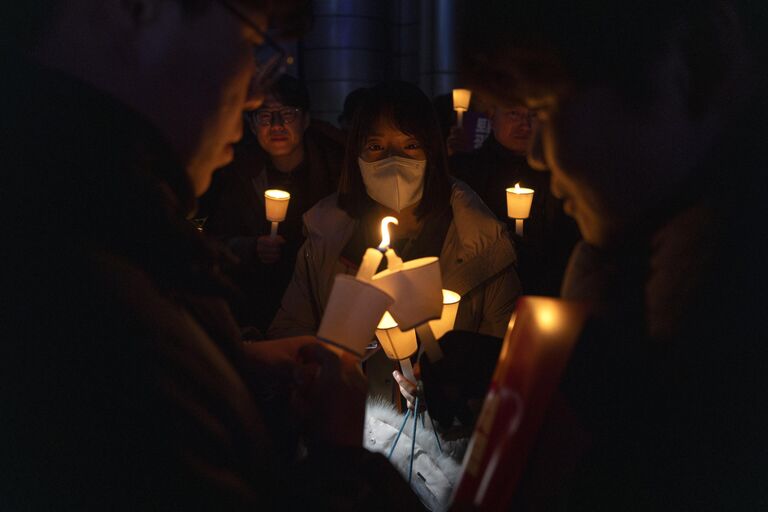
(395, 165)
(500, 163)
(285, 150)
(652, 123)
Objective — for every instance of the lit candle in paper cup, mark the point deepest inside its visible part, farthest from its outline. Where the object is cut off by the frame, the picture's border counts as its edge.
(435, 329)
(372, 257)
(519, 202)
(398, 345)
(354, 310)
(416, 287)
(276, 202)
(461, 103)
(448, 317)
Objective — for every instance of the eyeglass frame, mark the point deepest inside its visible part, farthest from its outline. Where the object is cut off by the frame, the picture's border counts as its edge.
(254, 122)
(283, 60)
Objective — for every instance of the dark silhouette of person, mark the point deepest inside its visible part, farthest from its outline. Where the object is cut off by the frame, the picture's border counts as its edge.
(651, 121)
(123, 380)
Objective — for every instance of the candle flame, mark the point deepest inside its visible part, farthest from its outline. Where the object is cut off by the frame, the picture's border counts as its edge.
(517, 187)
(280, 195)
(385, 240)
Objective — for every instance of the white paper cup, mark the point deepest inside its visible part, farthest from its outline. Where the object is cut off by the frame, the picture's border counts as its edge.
(519, 202)
(397, 344)
(352, 314)
(448, 318)
(417, 290)
(276, 203)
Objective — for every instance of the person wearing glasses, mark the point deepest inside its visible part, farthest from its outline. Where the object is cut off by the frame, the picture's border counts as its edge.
(283, 149)
(501, 162)
(123, 381)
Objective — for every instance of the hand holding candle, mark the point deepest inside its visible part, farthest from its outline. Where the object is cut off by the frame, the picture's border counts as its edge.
(461, 103)
(519, 202)
(276, 203)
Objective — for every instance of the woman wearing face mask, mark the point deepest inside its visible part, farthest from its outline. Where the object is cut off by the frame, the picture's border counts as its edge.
(395, 164)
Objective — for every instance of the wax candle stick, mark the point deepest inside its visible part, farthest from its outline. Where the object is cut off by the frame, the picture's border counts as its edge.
(372, 257)
(407, 368)
(394, 261)
(370, 263)
(429, 342)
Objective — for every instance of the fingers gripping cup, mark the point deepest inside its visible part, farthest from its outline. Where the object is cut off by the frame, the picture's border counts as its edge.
(352, 314)
(417, 290)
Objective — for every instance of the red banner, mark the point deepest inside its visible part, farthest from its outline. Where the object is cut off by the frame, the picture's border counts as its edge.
(536, 349)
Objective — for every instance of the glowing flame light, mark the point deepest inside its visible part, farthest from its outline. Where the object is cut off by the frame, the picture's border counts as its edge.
(385, 240)
(517, 187)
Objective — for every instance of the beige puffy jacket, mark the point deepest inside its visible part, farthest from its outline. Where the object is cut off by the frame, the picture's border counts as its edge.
(476, 261)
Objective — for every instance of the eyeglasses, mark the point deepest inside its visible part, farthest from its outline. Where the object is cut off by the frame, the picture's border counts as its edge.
(271, 58)
(263, 117)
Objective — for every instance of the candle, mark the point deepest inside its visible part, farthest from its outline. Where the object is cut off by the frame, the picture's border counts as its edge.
(448, 317)
(276, 203)
(519, 202)
(372, 257)
(461, 103)
(398, 345)
(393, 260)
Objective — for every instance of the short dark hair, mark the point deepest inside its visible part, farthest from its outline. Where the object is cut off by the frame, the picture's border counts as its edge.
(291, 91)
(518, 48)
(411, 112)
(351, 103)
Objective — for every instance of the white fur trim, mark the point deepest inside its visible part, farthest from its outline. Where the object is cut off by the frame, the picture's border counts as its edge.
(435, 474)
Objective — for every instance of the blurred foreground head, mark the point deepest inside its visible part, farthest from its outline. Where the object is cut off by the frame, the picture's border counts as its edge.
(191, 67)
(631, 97)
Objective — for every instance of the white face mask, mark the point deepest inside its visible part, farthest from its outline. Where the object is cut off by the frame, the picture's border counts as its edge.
(394, 182)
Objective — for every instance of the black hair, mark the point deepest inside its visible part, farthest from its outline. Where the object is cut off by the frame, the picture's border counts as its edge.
(351, 103)
(550, 47)
(291, 91)
(411, 112)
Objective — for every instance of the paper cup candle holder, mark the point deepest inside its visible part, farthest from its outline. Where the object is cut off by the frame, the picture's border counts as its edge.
(461, 103)
(276, 203)
(398, 345)
(355, 305)
(519, 201)
(352, 314)
(409, 292)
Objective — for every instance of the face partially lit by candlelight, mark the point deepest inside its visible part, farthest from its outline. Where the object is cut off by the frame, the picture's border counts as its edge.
(513, 127)
(614, 161)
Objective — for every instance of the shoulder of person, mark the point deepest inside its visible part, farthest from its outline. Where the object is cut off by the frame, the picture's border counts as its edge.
(326, 218)
(472, 218)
